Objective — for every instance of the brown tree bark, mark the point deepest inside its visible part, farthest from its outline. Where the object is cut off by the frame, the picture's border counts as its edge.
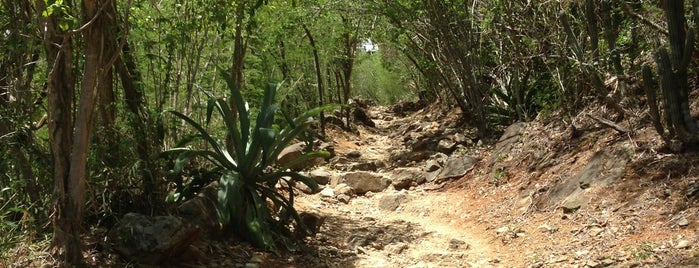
(60, 87)
(70, 140)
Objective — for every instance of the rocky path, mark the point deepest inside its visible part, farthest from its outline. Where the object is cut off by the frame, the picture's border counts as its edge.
(410, 227)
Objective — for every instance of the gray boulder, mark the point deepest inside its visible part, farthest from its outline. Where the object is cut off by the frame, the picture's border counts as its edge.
(362, 182)
(404, 178)
(152, 239)
(393, 201)
(320, 176)
(456, 166)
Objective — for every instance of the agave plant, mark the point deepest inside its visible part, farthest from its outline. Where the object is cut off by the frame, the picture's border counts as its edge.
(246, 159)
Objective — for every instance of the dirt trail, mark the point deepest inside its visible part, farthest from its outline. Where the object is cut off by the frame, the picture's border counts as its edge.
(408, 228)
(541, 197)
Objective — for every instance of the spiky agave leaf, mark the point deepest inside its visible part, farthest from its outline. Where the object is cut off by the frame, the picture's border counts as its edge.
(221, 150)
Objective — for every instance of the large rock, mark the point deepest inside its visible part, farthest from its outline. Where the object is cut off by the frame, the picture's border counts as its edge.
(201, 210)
(393, 201)
(602, 169)
(362, 116)
(404, 178)
(320, 176)
(294, 151)
(513, 134)
(446, 146)
(456, 166)
(152, 240)
(362, 182)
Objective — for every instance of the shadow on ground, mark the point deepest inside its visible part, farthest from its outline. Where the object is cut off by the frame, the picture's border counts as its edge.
(343, 242)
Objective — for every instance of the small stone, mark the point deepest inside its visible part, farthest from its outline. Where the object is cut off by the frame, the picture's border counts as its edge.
(354, 154)
(457, 244)
(608, 262)
(364, 166)
(343, 188)
(683, 222)
(592, 264)
(596, 231)
(570, 208)
(580, 253)
(446, 145)
(503, 229)
(379, 164)
(548, 228)
(397, 248)
(392, 202)
(343, 198)
(460, 139)
(257, 258)
(327, 192)
(304, 188)
(432, 165)
(321, 176)
(682, 244)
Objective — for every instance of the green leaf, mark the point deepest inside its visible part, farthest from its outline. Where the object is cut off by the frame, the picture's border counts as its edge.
(229, 196)
(218, 146)
(240, 106)
(306, 157)
(63, 24)
(294, 176)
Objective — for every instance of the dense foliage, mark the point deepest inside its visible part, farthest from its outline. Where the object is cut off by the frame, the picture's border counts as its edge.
(83, 87)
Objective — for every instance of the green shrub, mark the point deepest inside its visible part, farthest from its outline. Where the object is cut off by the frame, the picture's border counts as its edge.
(245, 159)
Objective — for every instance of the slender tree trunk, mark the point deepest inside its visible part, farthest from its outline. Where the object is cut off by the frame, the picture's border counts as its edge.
(133, 96)
(347, 62)
(319, 78)
(239, 48)
(592, 29)
(284, 66)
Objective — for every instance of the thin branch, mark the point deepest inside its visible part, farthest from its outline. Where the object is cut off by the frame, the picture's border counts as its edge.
(648, 22)
(608, 123)
(94, 18)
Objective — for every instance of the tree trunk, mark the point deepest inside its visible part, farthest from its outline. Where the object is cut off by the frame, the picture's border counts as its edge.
(592, 29)
(133, 96)
(70, 142)
(60, 87)
(319, 78)
(347, 62)
(239, 48)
